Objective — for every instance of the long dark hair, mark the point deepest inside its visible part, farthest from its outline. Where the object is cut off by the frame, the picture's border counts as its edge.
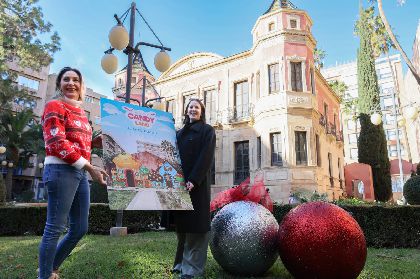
(203, 111)
(60, 76)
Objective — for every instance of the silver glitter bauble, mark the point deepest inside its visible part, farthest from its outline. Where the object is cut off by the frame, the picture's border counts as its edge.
(243, 238)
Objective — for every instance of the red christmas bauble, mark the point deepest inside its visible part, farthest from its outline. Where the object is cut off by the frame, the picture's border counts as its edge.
(321, 240)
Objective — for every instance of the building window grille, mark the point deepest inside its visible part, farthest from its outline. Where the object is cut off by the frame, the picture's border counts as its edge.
(210, 104)
(313, 82)
(301, 148)
(241, 161)
(258, 152)
(318, 151)
(241, 100)
(273, 78)
(296, 76)
(276, 149)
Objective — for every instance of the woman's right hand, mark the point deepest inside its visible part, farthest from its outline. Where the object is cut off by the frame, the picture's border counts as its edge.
(96, 173)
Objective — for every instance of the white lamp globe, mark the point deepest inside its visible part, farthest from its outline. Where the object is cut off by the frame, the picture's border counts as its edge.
(109, 63)
(411, 112)
(162, 61)
(118, 37)
(3, 163)
(10, 165)
(376, 119)
(40, 165)
(2, 149)
(400, 121)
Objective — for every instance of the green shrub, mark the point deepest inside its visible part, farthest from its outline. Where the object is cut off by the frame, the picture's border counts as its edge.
(383, 225)
(25, 196)
(98, 193)
(31, 220)
(411, 190)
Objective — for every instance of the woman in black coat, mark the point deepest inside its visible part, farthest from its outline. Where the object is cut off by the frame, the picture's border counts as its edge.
(196, 144)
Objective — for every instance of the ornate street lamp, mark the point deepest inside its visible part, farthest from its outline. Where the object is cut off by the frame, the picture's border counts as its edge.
(2, 149)
(10, 164)
(120, 39)
(3, 163)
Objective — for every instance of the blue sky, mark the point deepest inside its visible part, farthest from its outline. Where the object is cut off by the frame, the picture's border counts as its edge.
(218, 26)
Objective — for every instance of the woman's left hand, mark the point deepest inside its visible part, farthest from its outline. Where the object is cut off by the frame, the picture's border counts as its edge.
(189, 186)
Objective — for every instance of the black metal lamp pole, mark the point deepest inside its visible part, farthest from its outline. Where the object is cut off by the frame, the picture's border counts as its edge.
(130, 51)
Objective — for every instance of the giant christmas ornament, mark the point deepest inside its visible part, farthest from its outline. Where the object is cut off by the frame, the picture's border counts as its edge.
(243, 238)
(321, 240)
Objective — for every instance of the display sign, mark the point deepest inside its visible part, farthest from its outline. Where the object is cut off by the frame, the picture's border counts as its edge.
(141, 158)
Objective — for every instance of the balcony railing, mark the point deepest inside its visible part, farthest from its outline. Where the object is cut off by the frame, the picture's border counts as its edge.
(240, 113)
(331, 129)
(322, 121)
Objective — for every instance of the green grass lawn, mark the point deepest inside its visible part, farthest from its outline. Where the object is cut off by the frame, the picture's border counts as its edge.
(149, 255)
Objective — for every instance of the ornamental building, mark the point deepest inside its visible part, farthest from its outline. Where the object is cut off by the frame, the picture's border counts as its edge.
(272, 109)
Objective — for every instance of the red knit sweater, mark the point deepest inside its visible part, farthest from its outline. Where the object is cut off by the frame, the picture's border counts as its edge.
(67, 134)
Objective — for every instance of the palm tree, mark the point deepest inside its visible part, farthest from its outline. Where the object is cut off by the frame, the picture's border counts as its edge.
(21, 138)
(394, 39)
(319, 55)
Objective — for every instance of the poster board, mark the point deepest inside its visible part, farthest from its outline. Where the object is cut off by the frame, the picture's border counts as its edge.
(141, 158)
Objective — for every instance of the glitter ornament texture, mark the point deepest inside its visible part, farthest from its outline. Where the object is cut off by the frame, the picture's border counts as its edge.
(243, 238)
(321, 240)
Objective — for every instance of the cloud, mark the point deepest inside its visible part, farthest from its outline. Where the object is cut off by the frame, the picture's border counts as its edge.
(109, 124)
(111, 109)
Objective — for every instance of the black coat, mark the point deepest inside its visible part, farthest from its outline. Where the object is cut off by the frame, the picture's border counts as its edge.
(196, 144)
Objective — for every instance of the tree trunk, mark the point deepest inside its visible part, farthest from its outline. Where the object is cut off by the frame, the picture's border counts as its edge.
(9, 184)
(396, 43)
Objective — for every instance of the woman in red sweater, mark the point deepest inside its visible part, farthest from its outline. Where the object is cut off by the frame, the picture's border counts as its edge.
(67, 136)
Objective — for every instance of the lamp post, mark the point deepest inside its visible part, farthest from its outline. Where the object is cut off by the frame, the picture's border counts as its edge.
(399, 120)
(120, 39)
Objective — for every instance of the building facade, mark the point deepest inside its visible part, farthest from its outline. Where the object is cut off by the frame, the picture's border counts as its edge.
(385, 70)
(36, 83)
(410, 97)
(273, 111)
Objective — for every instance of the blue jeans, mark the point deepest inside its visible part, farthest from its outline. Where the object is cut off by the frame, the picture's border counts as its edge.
(68, 200)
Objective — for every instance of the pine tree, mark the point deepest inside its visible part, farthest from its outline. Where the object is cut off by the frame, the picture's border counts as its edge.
(372, 142)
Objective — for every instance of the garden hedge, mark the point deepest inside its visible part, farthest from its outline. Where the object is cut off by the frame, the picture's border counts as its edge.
(384, 226)
(31, 220)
